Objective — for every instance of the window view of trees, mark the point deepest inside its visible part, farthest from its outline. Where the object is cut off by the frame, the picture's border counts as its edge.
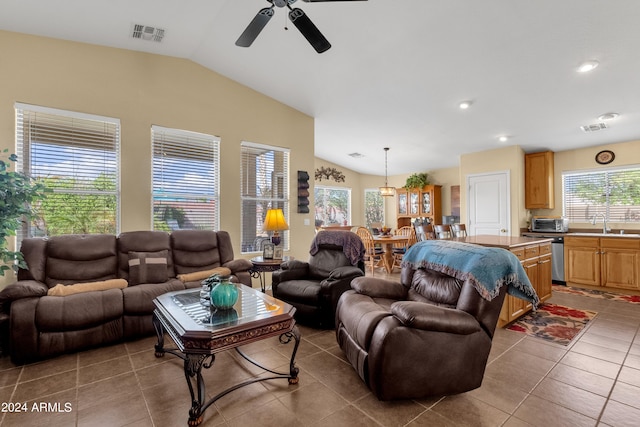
(332, 205)
(64, 211)
(614, 193)
(373, 207)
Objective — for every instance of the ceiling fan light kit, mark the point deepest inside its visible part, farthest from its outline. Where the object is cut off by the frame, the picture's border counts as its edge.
(297, 17)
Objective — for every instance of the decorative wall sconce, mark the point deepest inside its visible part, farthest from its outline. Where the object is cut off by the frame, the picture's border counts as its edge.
(327, 173)
(303, 192)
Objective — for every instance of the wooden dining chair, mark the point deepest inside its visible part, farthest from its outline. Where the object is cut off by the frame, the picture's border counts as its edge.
(372, 255)
(459, 230)
(443, 231)
(400, 248)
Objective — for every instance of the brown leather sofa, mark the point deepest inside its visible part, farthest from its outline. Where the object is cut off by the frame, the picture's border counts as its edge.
(429, 335)
(43, 325)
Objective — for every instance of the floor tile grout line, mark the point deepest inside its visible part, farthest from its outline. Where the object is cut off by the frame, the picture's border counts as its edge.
(615, 381)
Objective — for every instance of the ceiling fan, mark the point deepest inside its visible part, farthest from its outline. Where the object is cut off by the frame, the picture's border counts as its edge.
(296, 15)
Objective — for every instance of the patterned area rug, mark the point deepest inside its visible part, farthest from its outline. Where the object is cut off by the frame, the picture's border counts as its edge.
(555, 323)
(634, 299)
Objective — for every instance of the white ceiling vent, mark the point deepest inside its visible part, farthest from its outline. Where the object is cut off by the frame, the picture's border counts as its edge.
(593, 127)
(145, 32)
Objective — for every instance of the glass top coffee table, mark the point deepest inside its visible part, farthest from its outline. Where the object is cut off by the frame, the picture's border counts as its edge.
(199, 332)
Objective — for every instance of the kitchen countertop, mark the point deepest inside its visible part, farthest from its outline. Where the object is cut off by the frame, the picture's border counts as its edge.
(583, 234)
(507, 242)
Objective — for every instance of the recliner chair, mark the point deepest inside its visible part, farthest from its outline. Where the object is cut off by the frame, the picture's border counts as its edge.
(429, 334)
(314, 287)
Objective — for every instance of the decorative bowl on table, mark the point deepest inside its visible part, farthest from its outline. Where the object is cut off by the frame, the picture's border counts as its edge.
(386, 231)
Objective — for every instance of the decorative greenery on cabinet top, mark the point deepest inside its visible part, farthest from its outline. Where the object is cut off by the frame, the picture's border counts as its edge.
(417, 180)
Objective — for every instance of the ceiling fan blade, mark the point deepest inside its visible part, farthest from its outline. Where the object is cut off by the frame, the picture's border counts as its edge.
(309, 30)
(255, 27)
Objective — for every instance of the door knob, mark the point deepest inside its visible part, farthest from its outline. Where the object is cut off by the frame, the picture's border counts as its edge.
(502, 230)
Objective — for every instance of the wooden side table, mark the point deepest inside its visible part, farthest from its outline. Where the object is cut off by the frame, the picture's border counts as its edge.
(261, 266)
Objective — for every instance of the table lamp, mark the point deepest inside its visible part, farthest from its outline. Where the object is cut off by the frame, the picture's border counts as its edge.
(274, 221)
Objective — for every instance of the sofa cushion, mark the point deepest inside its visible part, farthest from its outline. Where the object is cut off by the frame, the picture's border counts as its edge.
(79, 311)
(142, 241)
(434, 287)
(77, 288)
(139, 299)
(195, 250)
(148, 267)
(73, 258)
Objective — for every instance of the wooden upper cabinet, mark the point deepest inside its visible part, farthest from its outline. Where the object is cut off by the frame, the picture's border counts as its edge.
(538, 176)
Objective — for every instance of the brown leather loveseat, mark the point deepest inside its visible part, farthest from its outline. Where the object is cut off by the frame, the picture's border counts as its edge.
(47, 317)
(429, 334)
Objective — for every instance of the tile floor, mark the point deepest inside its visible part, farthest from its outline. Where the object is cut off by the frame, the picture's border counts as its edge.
(595, 381)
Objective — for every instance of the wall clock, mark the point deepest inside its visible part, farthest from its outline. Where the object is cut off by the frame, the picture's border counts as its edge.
(605, 157)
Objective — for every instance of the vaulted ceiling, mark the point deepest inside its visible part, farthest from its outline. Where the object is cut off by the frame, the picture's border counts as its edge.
(398, 70)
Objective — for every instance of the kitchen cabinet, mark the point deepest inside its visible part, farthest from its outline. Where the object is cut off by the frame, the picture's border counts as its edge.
(612, 262)
(425, 202)
(536, 261)
(538, 176)
(535, 256)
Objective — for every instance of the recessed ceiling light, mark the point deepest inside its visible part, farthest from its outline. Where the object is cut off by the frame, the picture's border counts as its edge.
(465, 104)
(587, 66)
(503, 138)
(608, 116)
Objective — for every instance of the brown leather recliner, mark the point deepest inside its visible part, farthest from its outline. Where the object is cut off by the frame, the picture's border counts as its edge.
(314, 287)
(429, 335)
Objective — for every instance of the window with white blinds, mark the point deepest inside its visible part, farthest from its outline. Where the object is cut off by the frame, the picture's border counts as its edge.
(77, 157)
(614, 193)
(264, 185)
(186, 170)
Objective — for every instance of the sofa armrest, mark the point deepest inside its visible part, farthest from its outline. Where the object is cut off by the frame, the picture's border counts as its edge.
(22, 289)
(379, 288)
(290, 270)
(430, 317)
(237, 265)
(345, 272)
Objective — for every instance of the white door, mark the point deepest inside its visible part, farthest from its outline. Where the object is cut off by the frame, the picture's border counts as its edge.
(488, 207)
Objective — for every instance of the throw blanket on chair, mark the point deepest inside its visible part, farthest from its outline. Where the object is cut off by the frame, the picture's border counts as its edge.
(351, 244)
(488, 269)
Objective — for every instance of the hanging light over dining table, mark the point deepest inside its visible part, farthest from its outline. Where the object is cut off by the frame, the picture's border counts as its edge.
(386, 190)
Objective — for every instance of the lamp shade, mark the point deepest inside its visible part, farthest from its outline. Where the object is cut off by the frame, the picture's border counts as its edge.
(274, 220)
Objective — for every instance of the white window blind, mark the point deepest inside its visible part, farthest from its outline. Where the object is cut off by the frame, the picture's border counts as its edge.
(186, 168)
(612, 192)
(264, 185)
(75, 155)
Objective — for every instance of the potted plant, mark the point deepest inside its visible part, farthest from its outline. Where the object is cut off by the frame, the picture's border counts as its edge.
(417, 180)
(17, 193)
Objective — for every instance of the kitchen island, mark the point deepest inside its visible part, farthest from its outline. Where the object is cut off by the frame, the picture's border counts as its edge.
(534, 255)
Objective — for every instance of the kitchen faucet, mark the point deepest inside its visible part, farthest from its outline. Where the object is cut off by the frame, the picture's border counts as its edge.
(604, 222)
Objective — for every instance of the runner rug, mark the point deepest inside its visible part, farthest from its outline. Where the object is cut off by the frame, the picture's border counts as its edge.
(634, 299)
(554, 323)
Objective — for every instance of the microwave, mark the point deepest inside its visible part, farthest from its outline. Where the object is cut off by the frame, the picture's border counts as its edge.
(550, 225)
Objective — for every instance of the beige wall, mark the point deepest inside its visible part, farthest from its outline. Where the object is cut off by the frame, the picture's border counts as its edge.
(143, 90)
(501, 159)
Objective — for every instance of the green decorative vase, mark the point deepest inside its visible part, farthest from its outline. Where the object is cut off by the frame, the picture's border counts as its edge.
(224, 294)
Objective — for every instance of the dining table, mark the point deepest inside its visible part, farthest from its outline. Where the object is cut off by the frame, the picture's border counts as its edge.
(387, 242)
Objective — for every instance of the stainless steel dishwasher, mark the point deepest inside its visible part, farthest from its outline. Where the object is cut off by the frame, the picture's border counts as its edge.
(557, 260)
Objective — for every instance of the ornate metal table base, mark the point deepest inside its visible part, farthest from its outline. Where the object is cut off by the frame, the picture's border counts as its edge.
(194, 362)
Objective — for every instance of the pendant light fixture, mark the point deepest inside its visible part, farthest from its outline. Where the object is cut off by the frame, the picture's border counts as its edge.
(386, 190)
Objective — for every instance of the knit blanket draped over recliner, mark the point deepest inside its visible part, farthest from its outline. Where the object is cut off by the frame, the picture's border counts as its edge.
(487, 268)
